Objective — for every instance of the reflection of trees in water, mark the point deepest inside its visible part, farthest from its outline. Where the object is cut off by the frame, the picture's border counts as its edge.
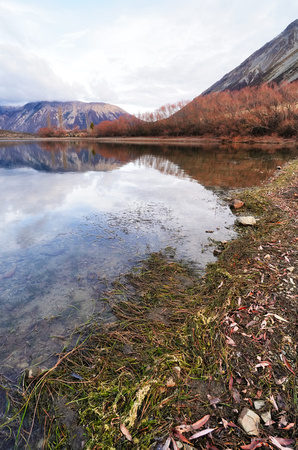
(161, 164)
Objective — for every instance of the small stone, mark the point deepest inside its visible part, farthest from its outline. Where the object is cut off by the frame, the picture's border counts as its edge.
(258, 404)
(249, 421)
(266, 416)
(246, 220)
(236, 204)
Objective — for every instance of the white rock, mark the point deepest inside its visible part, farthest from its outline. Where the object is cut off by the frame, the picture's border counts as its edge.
(246, 220)
(266, 416)
(258, 404)
(249, 421)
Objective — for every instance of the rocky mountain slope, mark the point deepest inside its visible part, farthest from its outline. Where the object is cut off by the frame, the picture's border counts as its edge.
(33, 116)
(276, 61)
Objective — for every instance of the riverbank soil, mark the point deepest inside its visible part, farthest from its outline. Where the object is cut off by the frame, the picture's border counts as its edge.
(192, 362)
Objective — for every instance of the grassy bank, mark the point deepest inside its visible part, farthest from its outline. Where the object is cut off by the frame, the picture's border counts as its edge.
(185, 348)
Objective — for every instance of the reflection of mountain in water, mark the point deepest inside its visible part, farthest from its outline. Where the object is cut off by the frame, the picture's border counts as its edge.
(210, 165)
(69, 159)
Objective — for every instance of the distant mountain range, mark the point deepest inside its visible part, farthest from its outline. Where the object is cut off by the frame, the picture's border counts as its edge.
(276, 61)
(33, 116)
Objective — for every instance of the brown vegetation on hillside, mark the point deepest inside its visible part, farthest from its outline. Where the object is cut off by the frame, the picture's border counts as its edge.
(264, 110)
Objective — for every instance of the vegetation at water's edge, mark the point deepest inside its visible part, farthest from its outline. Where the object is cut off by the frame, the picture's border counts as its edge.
(186, 348)
(264, 110)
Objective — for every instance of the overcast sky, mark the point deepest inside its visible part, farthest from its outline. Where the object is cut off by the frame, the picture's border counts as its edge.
(135, 54)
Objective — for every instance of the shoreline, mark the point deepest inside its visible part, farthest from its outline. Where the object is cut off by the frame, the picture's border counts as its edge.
(158, 140)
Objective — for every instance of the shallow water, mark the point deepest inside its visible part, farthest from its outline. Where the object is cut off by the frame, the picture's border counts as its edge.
(75, 216)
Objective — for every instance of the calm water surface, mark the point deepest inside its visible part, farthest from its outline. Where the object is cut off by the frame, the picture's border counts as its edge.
(74, 216)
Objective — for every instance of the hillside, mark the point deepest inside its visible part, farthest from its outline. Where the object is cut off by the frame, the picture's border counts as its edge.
(276, 61)
(33, 116)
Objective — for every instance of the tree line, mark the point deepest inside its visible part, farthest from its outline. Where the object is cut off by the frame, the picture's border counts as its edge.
(268, 109)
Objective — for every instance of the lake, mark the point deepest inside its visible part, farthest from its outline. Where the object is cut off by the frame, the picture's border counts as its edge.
(76, 215)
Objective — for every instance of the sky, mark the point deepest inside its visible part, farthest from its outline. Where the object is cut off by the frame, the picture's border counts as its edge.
(135, 54)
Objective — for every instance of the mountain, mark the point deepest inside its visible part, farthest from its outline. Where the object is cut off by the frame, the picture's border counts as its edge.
(276, 61)
(33, 116)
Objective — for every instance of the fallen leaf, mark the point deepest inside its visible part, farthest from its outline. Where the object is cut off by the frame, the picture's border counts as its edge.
(180, 436)
(277, 317)
(281, 380)
(200, 422)
(287, 364)
(167, 444)
(236, 395)
(255, 443)
(230, 341)
(225, 423)
(202, 433)
(125, 431)
(194, 426)
(290, 425)
(174, 444)
(271, 398)
(262, 364)
(284, 441)
(278, 445)
(213, 400)
(251, 323)
(231, 381)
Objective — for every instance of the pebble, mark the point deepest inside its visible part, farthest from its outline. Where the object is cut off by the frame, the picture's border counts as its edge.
(258, 404)
(236, 204)
(266, 416)
(249, 421)
(246, 220)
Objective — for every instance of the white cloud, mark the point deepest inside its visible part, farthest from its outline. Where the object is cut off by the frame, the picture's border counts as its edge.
(129, 53)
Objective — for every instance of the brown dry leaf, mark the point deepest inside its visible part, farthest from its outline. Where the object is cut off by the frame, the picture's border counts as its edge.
(225, 423)
(236, 395)
(125, 431)
(272, 400)
(213, 400)
(281, 319)
(251, 323)
(288, 364)
(290, 425)
(180, 436)
(255, 443)
(230, 341)
(202, 433)
(174, 444)
(194, 426)
(170, 382)
(262, 364)
(275, 442)
(231, 381)
(200, 422)
(284, 441)
(167, 444)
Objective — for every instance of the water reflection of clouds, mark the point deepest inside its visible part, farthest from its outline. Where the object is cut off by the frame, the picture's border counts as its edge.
(38, 204)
